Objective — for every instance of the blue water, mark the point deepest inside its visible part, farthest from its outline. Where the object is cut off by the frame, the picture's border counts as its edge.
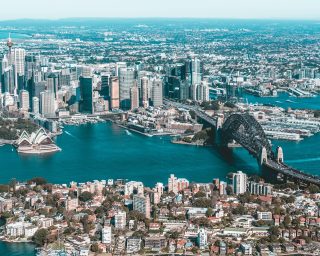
(14, 35)
(17, 249)
(103, 151)
(284, 100)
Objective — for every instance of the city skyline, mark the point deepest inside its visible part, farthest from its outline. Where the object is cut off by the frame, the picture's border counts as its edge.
(230, 9)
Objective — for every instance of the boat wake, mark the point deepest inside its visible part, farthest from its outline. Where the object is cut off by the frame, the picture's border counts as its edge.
(128, 133)
(68, 133)
(291, 101)
(314, 159)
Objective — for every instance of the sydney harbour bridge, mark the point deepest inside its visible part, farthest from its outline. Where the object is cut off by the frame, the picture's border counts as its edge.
(246, 131)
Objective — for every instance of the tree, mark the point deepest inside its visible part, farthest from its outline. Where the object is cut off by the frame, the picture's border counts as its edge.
(295, 222)
(313, 189)
(209, 212)
(274, 230)
(287, 221)
(240, 210)
(203, 203)
(245, 198)
(229, 190)
(290, 200)
(38, 181)
(200, 194)
(173, 234)
(40, 237)
(85, 196)
(95, 248)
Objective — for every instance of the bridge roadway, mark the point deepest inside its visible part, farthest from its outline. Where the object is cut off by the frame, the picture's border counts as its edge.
(292, 173)
(196, 109)
(271, 163)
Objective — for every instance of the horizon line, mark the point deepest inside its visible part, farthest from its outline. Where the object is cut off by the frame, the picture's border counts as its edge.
(162, 17)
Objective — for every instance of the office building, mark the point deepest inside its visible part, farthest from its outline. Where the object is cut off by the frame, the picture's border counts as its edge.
(86, 92)
(47, 104)
(105, 85)
(203, 91)
(24, 100)
(18, 59)
(134, 97)
(157, 94)
(9, 80)
(120, 65)
(53, 84)
(196, 71)
(114, 93)
(126, 82)
(145, 91)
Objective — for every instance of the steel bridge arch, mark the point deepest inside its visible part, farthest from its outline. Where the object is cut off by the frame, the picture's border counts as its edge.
(245, 130)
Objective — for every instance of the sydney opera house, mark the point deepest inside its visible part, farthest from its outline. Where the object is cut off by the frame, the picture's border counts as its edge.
(37, 143)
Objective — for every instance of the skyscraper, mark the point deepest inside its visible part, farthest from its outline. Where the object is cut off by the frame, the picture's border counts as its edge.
(157, 94)
(126, 81)
(86, 91)
(47, 104)
(145, 91)
(10, 44)
(24, 100)
(105, 85)
(196, 71)
(18, 62)
(53, 84)
(35, 105)
(114, 93)
(203, 91)
(134, 97)
(239, 182)
(8, 80)
(120, 65)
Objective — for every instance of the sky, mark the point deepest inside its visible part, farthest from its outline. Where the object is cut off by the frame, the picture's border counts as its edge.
(252, 9)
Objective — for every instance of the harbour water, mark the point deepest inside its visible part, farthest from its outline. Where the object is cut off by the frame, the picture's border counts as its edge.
(103, 151)
(17, 249)
(284, 100)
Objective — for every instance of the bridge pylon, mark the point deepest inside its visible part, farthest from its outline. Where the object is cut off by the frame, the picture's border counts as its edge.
(263, 156)
(217, 132)
(279, 153)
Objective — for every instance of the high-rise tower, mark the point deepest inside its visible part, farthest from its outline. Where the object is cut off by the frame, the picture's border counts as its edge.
(9, 44)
